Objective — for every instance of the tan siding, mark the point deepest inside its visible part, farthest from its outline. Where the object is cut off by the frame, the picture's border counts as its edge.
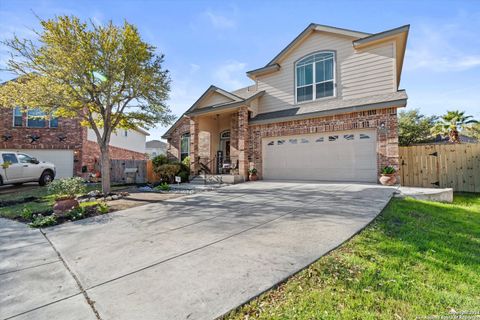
(359, 74)
(213, 99)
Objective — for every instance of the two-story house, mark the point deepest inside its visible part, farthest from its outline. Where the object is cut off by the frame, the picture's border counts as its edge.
(71, 147)
(324, 108)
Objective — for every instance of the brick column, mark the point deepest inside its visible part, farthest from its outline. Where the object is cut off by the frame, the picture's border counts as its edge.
(243, 141)
(194, 145)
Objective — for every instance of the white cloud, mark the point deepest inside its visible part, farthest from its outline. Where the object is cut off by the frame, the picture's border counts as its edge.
(220, 21)
(441, 48)
(231, 75)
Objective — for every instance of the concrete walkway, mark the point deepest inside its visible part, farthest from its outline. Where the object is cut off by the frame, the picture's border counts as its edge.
(194, 257)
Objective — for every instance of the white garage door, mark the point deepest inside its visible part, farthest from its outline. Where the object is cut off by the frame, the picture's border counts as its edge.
(338, 156)
(62, 159)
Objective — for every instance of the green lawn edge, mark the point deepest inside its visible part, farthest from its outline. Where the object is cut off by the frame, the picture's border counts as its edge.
(416, 259)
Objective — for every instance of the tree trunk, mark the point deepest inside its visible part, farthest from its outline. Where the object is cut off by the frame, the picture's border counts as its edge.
(105, 158)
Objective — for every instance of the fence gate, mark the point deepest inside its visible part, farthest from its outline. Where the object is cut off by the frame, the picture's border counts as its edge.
(445, 166)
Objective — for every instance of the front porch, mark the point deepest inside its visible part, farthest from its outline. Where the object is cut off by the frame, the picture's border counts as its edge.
(219, 143)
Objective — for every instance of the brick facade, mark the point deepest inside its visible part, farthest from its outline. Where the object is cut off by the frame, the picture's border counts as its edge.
(68, 135)
(384, 120)
(65, 136)
(91, 155)
(246, 139)
(173, 149)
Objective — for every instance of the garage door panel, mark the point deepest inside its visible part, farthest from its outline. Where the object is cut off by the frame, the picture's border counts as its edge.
(61, 158)
(343, 156)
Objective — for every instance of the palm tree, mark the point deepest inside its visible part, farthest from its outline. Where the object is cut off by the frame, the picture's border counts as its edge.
(451, 123)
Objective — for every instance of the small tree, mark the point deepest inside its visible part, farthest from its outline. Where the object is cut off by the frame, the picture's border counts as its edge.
(105, 75)
(414, 127)
(451, 123)
(473, 130)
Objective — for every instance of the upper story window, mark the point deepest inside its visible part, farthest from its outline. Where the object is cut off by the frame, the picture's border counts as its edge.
(17, 117)
(36, 118)
(315, 76)
(184, 146)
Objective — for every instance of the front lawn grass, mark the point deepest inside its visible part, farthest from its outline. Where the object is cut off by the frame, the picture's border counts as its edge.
(416, 259)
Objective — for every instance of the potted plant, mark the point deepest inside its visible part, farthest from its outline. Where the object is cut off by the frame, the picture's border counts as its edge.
(253, 174)
(388, 177)
(65, 192)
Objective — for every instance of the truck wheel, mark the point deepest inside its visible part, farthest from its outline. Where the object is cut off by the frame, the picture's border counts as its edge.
(1, 181)
(46, 178)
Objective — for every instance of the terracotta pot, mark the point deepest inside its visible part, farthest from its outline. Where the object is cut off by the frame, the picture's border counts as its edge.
(388, 179)
(64, 205)
(253, 177)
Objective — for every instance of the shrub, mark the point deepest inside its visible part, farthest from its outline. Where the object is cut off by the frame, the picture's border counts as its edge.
(77, 213)
(103, 207)
(186, 162)
(163, 187)
(69, 187)
(388, 170)
(252, 171)
(184, 175)
(27, 214)
(41, 221)
(168, 171)
(158, 161)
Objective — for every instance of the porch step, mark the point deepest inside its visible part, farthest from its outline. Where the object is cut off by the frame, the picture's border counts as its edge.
(217, 179)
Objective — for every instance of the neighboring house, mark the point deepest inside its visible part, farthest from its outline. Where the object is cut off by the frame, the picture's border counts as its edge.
(439, 139)
(155, 148)
(64, 142)
(324, 108)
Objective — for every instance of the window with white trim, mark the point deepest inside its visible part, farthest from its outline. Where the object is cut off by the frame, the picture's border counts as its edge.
(17, 117)
(315, 76)
(35, 118)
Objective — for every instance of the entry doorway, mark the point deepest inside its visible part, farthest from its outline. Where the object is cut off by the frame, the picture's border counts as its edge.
(224, 164)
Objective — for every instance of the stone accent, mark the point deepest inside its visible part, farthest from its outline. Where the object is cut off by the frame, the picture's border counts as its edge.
(194, 142)
(243, 141)
(246, 139)
(385, 120)
(173, 150)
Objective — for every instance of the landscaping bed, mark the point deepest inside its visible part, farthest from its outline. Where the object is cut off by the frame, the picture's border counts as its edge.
(417, 259)
(35, 206)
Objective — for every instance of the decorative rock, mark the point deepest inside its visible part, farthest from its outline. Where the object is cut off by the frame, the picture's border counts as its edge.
(109, 198)
(115, 197)
(93, 193)
(62, 206)
(92, 199)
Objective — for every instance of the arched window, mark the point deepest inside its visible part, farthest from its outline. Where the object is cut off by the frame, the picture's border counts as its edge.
(315, 76)
(185, 145)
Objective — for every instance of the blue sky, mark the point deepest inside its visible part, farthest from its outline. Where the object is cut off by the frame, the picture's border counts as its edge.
(215, 42)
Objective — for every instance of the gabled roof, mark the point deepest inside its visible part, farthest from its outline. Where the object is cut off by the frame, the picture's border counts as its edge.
(210, 90)
(360, 40)
(312, 27)
(236, 101)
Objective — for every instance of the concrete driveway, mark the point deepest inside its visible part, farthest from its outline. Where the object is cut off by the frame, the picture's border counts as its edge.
(193, 257)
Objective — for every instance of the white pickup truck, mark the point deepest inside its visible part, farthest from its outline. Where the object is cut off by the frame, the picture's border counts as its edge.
(17, 168)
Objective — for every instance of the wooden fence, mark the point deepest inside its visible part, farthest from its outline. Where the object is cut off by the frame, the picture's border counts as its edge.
(151, 175)
(445, 166)
(118, 174)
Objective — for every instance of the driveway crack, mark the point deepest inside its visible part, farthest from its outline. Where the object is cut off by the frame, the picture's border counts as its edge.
(90, 302)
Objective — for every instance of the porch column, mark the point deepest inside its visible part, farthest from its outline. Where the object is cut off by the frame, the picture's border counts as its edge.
(194, 131)
(243, 141)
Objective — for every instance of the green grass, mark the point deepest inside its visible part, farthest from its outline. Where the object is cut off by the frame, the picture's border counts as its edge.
(417, 258)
